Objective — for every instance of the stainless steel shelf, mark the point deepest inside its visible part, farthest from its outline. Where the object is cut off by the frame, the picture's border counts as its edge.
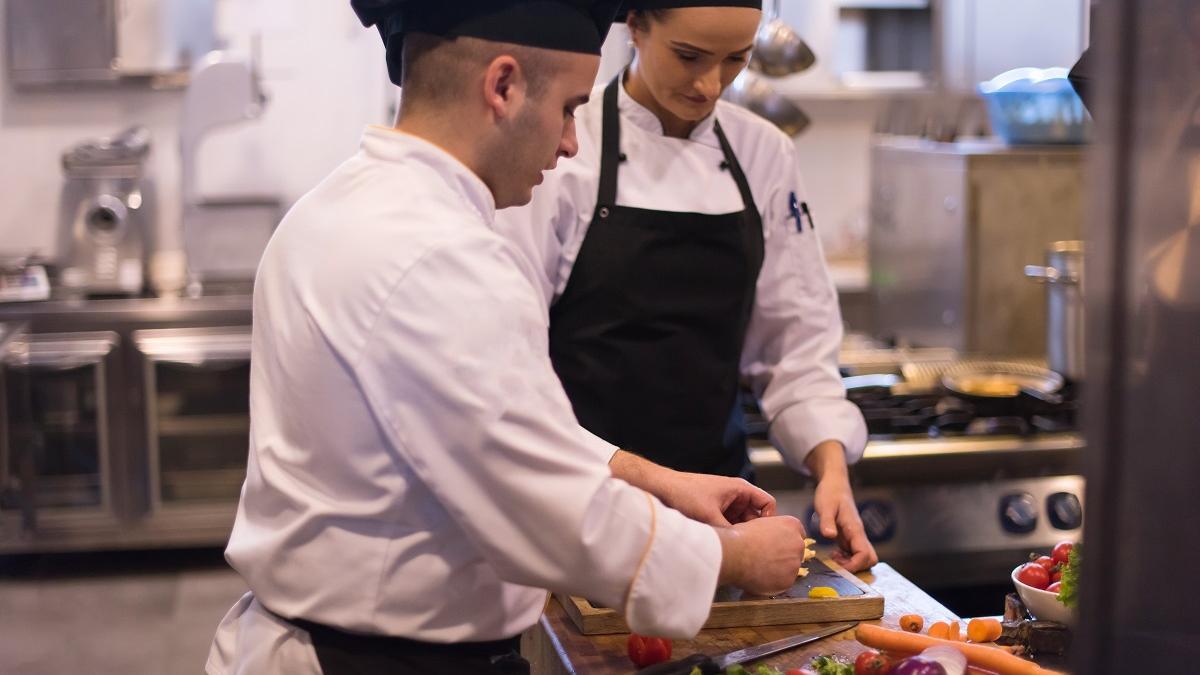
(203, 425)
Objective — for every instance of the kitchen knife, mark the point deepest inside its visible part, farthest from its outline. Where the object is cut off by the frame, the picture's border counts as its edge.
(713, 665)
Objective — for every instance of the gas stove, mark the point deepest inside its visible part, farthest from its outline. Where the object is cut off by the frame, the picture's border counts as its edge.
(937, 415)
(951, 495)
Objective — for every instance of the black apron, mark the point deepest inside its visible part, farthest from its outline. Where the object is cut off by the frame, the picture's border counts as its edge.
(647, 336)
(343, 653)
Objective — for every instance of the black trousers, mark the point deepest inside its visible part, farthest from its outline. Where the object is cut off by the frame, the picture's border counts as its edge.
(343, 653)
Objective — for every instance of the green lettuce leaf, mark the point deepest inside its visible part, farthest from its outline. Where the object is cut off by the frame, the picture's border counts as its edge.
(1068, 592)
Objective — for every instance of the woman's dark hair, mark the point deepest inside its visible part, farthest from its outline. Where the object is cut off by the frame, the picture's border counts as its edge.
(640, 18)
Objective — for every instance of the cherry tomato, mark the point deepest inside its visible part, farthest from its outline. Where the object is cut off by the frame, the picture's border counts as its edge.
(1053, 588)
(647, 651)
(1033, 574)
(1045, 561)
(1062, 552)
(1055, 574)
(871, 662)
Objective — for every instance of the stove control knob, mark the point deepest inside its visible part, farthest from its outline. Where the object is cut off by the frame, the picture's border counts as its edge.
(879, 520)
(1018, 513)
(812, 525)
(1064, 510)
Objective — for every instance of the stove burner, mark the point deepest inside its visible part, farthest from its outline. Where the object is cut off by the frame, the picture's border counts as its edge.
(940, 415)
(992, 426)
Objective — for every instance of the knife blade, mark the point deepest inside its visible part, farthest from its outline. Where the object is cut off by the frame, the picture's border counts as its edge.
(713, 665)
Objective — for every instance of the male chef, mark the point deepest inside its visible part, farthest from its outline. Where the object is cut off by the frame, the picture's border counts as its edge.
(416, 477)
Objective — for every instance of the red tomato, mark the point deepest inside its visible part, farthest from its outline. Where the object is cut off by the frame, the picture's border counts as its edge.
(1046, 561)
(647, 651)
(1033, 574)
(1055, 574)
(1062, 551)
(1053, 588)
(871, 662)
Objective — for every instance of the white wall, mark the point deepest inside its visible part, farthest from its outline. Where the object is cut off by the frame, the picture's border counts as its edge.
(987, 37)
(982, 38)
(325, 77)
(835, 150)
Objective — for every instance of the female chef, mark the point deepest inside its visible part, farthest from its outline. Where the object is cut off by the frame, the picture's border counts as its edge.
(679, 258)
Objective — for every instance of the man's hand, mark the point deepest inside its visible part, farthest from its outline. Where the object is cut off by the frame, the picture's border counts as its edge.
(836, 511)
(762, 556)
(717, 500)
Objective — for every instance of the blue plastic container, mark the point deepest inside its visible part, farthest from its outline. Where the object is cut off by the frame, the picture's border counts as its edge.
(1035, 106)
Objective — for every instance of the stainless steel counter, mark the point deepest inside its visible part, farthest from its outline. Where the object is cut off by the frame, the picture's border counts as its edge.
(1005, 454)
(132, 309)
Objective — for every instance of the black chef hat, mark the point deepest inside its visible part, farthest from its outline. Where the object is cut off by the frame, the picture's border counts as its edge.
(677, 4)
(566, 25)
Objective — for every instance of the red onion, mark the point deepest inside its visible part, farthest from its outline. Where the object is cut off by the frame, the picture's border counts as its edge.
(917, 665)
(953, 660)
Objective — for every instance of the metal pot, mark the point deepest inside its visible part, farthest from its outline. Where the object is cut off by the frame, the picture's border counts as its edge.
(1063, 276)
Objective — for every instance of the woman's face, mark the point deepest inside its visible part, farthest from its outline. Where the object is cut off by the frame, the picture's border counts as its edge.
(688, 56)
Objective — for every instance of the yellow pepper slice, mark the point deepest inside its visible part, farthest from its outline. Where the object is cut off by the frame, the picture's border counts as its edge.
(822, 592)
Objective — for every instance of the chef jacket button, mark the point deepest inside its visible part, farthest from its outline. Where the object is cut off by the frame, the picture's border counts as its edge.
(603, 211)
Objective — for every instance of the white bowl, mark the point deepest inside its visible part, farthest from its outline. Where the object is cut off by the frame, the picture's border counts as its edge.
(1041, 604)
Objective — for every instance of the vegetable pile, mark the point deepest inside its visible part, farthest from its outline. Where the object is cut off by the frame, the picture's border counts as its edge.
(1046, 572)
(928, 655)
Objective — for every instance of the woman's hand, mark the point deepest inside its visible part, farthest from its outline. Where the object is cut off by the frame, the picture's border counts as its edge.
(837, 513)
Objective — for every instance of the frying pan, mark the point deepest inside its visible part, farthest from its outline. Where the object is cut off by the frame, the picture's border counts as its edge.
(998, 382)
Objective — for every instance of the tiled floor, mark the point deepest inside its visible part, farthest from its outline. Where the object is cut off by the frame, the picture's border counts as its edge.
(131, 613)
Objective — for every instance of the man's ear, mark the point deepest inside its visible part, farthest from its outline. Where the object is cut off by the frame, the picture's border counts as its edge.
(504, 86)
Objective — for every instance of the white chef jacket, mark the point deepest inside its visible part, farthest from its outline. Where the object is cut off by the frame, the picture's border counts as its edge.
(415, 467)
(790, 355)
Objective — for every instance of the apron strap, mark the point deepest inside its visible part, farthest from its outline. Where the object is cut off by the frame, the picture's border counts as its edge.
(735, 167)
(610, 152)
(343, 653)
(610, 146)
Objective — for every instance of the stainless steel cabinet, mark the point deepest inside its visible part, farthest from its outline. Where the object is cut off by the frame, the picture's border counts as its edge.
(952, 225)
(16, 466)
(197, 393)
(66, 434)
(123, 424)
(57, 466)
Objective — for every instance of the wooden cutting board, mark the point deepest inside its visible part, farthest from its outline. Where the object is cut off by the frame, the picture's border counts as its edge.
(732, 608)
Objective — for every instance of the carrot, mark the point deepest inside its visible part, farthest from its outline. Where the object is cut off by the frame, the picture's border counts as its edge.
(984, 630)
(955, 632)
(912, 623)
(940, 630)
(988, 658)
